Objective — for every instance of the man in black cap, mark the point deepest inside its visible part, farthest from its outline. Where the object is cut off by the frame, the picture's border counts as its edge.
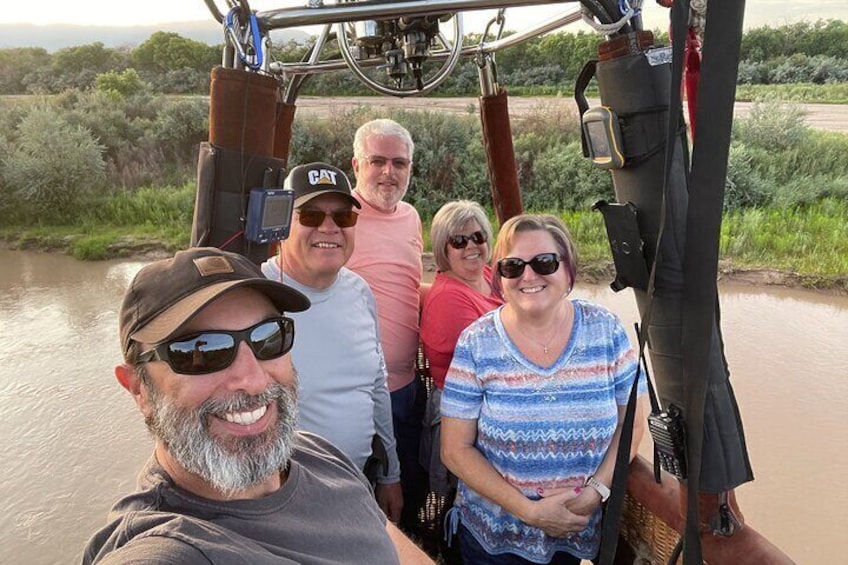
(206, 342)
(343, 391)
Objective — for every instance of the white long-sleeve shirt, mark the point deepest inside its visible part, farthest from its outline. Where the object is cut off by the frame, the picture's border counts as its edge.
(341, 368)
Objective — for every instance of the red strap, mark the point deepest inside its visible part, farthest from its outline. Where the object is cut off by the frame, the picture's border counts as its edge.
(691, 69)
(692, 73)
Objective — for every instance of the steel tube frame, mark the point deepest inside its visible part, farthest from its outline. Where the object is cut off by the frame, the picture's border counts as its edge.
(468, 51)
(379, 10)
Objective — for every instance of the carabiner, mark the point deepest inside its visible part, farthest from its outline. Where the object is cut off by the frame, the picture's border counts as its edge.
(252, 61)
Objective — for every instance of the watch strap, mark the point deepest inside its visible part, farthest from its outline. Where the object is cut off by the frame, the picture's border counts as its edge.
(602, 489)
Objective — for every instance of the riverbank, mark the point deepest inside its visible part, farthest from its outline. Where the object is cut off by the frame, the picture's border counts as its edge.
(592, 271)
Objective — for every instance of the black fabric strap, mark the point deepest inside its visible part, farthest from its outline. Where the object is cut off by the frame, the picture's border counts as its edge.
(612, 513)
(716, 96)
(586, 74)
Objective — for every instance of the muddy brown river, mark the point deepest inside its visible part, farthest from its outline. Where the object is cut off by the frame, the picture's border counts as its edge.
(72, 440)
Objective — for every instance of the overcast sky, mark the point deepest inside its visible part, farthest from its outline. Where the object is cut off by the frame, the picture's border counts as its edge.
(123, 13)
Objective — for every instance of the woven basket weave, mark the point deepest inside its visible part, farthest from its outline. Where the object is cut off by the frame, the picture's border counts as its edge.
(651, 538)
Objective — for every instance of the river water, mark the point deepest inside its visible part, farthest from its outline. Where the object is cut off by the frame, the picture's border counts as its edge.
(72, 440)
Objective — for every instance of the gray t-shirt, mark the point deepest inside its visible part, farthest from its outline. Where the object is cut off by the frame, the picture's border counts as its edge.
(324, 513)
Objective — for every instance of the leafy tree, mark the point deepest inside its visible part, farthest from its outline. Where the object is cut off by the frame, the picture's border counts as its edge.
(290, 52)
(41, 81)
(568, 50)
(537, 76)
(829, 38)
(15, 64)
(121, 84)
(166, 51)
(92, 57)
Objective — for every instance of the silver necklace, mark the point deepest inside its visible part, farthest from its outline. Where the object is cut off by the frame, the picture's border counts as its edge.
(556, 329)
(544, 346)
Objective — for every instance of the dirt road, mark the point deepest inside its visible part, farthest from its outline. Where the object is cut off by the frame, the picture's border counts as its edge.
(832, 117)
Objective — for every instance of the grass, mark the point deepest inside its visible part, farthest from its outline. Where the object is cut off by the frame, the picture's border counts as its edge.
(801, 92)
(809, 241)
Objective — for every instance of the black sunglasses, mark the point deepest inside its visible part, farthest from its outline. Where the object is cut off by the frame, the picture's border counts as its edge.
(542, 264)
(215, 350)
(461, 241)
(313, 218)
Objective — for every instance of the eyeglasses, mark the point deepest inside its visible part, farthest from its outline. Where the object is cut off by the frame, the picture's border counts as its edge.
(379, 162)
(311, 218)
(542, 264)
(208, 352)
(461, 241)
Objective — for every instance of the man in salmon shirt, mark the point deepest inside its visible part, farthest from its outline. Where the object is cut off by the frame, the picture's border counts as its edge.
(388, 256)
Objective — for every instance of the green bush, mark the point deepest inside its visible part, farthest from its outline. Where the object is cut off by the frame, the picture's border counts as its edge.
(808, 190)
(120, 84)
(329, 140)
(54, 166)
(9, 200)
(179, 127)
(773, 125)
(109, 119)
(744, 186)
(565, 180)
(777, 159)
(91, 248)
(444, 167)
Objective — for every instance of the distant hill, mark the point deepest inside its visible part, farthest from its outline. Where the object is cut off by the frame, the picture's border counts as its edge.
(55, 37)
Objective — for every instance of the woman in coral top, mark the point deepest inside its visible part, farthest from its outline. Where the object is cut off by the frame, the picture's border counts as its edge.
(461, 292)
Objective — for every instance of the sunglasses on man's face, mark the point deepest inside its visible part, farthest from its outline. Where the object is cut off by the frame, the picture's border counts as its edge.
(542, 264)
(312, 218)
(215, 350)
(461, 241)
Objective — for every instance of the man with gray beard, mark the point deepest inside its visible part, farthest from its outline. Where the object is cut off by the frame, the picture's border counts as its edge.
(206, 347)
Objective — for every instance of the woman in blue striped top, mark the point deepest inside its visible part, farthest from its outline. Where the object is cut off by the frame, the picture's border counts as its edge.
(532, 407)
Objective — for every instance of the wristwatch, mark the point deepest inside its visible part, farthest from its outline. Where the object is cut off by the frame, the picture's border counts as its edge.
(602, 489)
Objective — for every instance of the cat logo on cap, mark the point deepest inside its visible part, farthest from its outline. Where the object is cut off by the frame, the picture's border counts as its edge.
(322, 176)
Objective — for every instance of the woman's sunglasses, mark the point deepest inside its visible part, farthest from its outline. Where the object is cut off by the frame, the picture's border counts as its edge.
(542, 264)
(314, 218)
(461, 241)
(208, 352)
